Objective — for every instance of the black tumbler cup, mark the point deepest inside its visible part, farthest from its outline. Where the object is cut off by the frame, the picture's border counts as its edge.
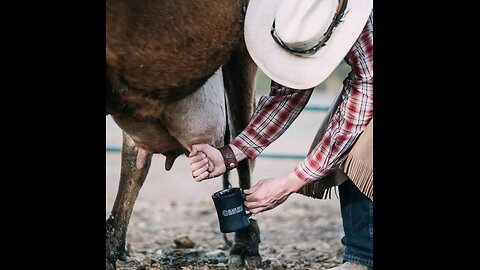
(230, 210)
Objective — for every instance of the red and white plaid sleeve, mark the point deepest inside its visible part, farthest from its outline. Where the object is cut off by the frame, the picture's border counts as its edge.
(276, 112)
(272, 116)
(352, 115)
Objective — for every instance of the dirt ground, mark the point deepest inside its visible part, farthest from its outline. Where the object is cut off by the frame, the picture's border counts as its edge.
(302, 233)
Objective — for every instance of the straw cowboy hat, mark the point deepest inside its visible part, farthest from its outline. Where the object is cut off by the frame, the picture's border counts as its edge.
(298, 43)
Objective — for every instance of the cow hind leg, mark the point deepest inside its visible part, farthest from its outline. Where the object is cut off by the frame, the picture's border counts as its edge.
(239, 76)
(131, 180)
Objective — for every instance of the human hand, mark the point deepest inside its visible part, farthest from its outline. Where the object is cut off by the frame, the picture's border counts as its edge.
(205, 162)
(270, 193)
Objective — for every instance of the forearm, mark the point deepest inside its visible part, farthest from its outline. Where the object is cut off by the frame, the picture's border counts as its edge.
(239, 155)
(272, 117)
(294, 183)
(347, 123)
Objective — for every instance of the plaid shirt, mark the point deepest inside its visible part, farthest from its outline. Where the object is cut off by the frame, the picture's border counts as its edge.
(276, 112)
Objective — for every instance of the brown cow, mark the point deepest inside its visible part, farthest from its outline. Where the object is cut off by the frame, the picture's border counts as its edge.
(170, 65)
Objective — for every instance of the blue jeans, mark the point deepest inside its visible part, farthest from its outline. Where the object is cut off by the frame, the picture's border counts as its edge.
(357, 218)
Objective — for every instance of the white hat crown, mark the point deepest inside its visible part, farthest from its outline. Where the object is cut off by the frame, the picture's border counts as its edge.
(298, 43)
(301, 24)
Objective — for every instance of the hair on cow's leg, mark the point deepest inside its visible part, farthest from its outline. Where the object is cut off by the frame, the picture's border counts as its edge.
(239, 77)
(226, 140)
(226, 175)
(131, 180)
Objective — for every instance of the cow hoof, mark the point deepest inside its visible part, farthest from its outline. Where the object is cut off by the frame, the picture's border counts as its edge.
(124, 257)
(253, 262)
(235, 262)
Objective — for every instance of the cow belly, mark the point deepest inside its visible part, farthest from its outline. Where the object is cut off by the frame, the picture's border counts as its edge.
(200, 117)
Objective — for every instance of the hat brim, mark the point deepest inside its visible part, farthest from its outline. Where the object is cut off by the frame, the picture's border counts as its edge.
(296, 71)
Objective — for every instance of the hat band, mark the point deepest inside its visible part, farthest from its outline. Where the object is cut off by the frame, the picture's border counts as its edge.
(342, 4)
